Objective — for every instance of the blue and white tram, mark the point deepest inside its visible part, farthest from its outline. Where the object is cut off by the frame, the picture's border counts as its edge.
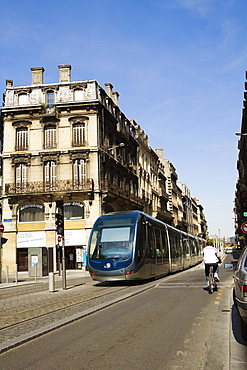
(134, 246)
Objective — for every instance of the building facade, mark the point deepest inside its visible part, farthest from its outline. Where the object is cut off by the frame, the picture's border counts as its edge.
(70, 139)
(241, 186)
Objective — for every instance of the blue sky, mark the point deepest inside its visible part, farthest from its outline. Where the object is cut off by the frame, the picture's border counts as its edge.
(178, 65)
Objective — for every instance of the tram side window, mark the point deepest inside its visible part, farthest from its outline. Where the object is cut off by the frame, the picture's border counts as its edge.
(186, 248)
(196, 247)
(159, 251)
(151, 242)
(173, 245)
(164, 245)
(192, 247)
(178, 248)
(141, 240)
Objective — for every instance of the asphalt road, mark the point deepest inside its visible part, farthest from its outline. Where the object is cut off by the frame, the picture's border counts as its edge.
(175, 325)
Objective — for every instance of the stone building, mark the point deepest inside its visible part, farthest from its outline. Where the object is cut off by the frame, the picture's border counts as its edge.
(70, 139)
(241, 186)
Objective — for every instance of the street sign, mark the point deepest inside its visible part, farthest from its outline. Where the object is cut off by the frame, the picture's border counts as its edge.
(244, 227)
(1, 228)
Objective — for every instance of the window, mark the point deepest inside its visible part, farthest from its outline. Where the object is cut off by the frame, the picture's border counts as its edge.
(50, 137)
(78, 94)
(74, 211)
(31, 213)
(159, 249)
(50, 98)
(22, 98)
(21, 177)
(79, 136)
(22, 138)
(50, 175)
(79, 172)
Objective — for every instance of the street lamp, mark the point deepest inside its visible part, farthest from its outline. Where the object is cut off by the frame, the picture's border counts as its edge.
(240, 134)
(121, 145)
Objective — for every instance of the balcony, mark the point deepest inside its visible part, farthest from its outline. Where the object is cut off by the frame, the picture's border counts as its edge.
(124, 193)
(40, 187)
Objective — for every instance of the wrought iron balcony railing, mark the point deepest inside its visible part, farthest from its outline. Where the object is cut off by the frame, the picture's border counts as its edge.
(115, 189)
(38, 187)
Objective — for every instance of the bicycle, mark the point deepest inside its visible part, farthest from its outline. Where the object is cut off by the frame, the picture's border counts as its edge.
(212, 282)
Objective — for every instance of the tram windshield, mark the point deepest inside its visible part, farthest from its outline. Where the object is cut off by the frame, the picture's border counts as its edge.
(112, 237)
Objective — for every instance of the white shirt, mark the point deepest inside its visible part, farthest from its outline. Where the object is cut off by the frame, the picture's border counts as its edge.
(210, 254)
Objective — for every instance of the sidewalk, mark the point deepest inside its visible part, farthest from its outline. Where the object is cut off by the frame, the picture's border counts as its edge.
(25, 279)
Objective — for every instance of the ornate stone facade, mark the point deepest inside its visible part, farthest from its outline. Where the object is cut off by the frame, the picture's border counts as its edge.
(71, 140)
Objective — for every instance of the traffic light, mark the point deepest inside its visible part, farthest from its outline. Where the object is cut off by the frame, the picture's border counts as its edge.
(243, 202)
(3, 240)
(59, 217)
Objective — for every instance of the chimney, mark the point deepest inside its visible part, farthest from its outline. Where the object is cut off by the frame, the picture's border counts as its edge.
(37, 75)
(159, 152)
(64, 72)
(9, 83)
(115, 96)
(108, 89)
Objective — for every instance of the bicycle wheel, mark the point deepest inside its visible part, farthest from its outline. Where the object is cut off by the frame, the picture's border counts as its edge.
(211, 281)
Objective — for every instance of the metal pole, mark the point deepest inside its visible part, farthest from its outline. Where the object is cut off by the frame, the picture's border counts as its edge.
(0, 260)
(63, 264)
(51, 282)
(0, 257)
(59, 261)
(16, 273)
(7, 274)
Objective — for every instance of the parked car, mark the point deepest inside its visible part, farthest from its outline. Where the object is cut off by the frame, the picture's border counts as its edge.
(240, 290)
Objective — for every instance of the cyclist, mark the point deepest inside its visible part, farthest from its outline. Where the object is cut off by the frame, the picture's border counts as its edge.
(211, 258)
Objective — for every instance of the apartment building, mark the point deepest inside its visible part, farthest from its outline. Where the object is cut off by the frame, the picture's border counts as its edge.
(70, 139)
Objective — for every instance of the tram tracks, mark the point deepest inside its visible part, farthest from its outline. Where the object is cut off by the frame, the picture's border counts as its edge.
(46, 310)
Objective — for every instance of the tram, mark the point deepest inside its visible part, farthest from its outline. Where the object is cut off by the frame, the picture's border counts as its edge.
(134, 246)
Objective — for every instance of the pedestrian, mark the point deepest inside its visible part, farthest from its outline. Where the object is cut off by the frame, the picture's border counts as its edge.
(71, 260)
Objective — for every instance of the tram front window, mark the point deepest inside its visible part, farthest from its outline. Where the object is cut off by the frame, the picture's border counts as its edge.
(115, 242)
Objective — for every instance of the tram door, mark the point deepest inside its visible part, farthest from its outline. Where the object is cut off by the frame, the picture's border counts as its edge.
(152, 250)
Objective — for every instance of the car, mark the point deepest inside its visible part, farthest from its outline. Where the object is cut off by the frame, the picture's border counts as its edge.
(228, 250)
(240, 290)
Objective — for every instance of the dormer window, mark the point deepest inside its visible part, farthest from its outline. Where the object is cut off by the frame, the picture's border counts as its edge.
(50, 98)
(22, 99)
(78, 94)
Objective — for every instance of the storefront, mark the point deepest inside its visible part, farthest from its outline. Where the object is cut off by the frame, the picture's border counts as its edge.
(32, 254)
(75, 247)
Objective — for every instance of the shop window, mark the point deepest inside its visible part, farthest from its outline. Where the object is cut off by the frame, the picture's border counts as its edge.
(22, 259)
